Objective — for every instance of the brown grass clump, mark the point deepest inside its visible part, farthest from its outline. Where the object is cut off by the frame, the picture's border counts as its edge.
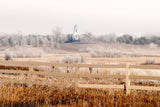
(4, 67)
(45, 96)
(150, 62)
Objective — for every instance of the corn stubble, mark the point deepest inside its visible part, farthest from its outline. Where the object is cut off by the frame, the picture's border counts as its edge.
(47, 96)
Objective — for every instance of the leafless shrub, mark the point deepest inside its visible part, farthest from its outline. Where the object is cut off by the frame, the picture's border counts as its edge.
(22, 52)
(100, 51)
(150, 61)
(72, 59)
(8, 56)
(54, 51)
(105, 53)
(88, 49)
(136, 54)
(56, 37)
(152, 46)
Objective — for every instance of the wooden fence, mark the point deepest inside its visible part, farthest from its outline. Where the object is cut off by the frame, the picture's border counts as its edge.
(30, 71)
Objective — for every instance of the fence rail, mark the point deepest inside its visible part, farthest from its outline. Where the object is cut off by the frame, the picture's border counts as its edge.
(77, 75)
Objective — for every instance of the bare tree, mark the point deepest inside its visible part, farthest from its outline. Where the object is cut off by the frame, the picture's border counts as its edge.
(37, 41)
(56, 36)
(88, 38)
(19, 38)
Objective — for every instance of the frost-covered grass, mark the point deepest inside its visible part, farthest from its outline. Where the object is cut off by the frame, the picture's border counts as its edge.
(23, 52)
(111, 52)
(72, 59)
(54, 51)
(103, 52)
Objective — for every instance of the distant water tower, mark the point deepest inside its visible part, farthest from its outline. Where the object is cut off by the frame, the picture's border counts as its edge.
(75, 37)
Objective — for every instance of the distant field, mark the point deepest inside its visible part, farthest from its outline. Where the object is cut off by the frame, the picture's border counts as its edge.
(89, 59)
(74, 50)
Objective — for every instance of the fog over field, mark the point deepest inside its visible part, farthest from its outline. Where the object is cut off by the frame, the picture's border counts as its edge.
(79, 53)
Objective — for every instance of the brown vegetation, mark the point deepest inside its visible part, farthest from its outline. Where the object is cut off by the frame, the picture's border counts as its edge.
(44, 96)
(16, 68)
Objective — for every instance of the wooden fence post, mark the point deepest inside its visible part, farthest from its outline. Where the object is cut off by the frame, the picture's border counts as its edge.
(77, 75)
(30, 73)
(127, 78)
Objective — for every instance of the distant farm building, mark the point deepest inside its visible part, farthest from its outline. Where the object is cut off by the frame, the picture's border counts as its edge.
(75, 37)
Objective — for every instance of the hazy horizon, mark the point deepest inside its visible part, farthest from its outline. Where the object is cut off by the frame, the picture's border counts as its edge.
(96, 16)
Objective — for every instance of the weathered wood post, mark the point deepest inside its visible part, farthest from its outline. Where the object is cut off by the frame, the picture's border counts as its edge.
(90, 69)
(30, 73)
(127, 78)
(53, 68)
(77, 75)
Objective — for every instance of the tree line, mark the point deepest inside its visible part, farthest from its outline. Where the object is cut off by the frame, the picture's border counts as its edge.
(126, 38)
(54, 40)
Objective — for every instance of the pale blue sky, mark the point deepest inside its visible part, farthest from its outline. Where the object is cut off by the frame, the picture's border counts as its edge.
(97, 16)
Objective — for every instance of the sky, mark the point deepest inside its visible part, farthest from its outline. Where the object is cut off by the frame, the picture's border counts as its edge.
(96, 16)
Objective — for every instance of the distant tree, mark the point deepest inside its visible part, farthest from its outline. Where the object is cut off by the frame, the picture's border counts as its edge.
(128, 39)
(4, 41)
(112, 38)
(158, 42)
(154, 39)
(46, 41)
(19, 39)
(24, 40)
(36, 41)
(56, 36)
(141, 41)
(29, 40)
(11, 42)
(88, 38)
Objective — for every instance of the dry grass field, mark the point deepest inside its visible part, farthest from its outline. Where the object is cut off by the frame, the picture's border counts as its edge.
(18, 95)
(80, 53)
(62, 97)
